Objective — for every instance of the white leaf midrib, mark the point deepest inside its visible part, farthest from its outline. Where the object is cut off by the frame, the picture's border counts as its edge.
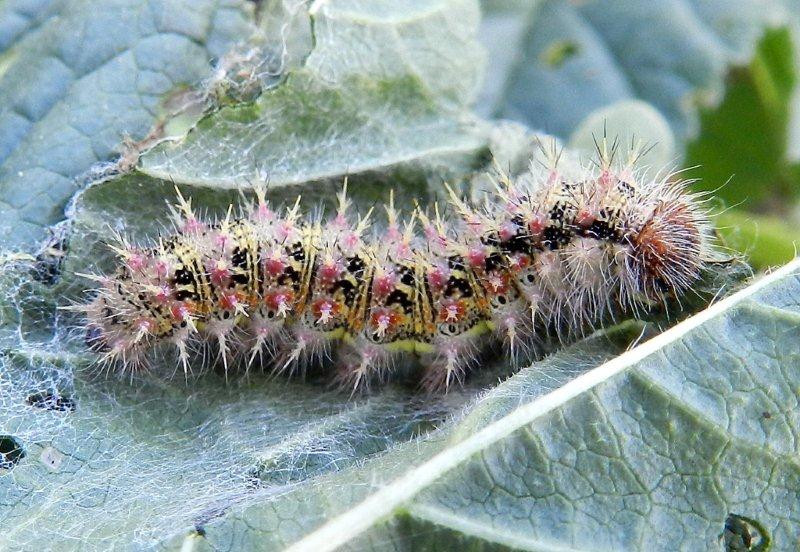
(383, 502)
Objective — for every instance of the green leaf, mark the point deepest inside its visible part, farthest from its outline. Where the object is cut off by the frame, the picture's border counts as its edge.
(78, 77)
(744, 141)
(766, 240)
(632, 123)
(684, 439)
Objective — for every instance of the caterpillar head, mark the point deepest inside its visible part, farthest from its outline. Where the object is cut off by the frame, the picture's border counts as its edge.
(667, 251)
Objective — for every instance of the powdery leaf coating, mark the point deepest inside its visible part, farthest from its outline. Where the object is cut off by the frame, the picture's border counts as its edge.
(66, 106)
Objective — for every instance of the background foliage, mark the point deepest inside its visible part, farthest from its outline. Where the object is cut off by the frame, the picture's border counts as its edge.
(686, 443)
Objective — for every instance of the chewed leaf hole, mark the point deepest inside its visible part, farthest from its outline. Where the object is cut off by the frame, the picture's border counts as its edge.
(11, 452)
(743, 534)
(51, 401)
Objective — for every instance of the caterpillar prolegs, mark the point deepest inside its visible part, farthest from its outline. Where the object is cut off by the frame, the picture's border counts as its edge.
(557, 249)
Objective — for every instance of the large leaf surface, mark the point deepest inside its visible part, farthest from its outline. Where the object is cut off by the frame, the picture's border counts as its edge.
(653, 450)
(78, 77)
(385, 84)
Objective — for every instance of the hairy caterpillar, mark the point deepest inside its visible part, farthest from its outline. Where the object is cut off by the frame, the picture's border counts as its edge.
(555, 250)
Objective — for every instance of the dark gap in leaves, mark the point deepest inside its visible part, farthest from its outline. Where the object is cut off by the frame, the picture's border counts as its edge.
(51, 401)
(11, 452)
(253, 479)
(743, 534)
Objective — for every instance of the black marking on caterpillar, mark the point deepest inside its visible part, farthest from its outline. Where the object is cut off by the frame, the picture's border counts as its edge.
(556, 250)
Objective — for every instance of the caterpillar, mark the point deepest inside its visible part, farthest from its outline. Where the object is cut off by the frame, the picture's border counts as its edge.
(558, 249)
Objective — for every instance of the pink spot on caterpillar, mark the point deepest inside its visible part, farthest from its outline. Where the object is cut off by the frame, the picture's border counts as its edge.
(330, 271)
(384, 285)
(136, 262)
(519, 262)
(263, 213)
(285, 229)
(536, 227)
(507, 231)
(275, 265)
(350, 241)
(161, 268)
(324, 310)
(498, 284)
(383, 320)
(477, 257)
(219, 273)
(192, 226)
(146, 325)
(179, 311)
(279, 301)
(229, 301)
(340, 221)
(164, 294)
(437, 278)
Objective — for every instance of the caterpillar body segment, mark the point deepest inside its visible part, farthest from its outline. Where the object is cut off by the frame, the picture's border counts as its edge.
(557, 250)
